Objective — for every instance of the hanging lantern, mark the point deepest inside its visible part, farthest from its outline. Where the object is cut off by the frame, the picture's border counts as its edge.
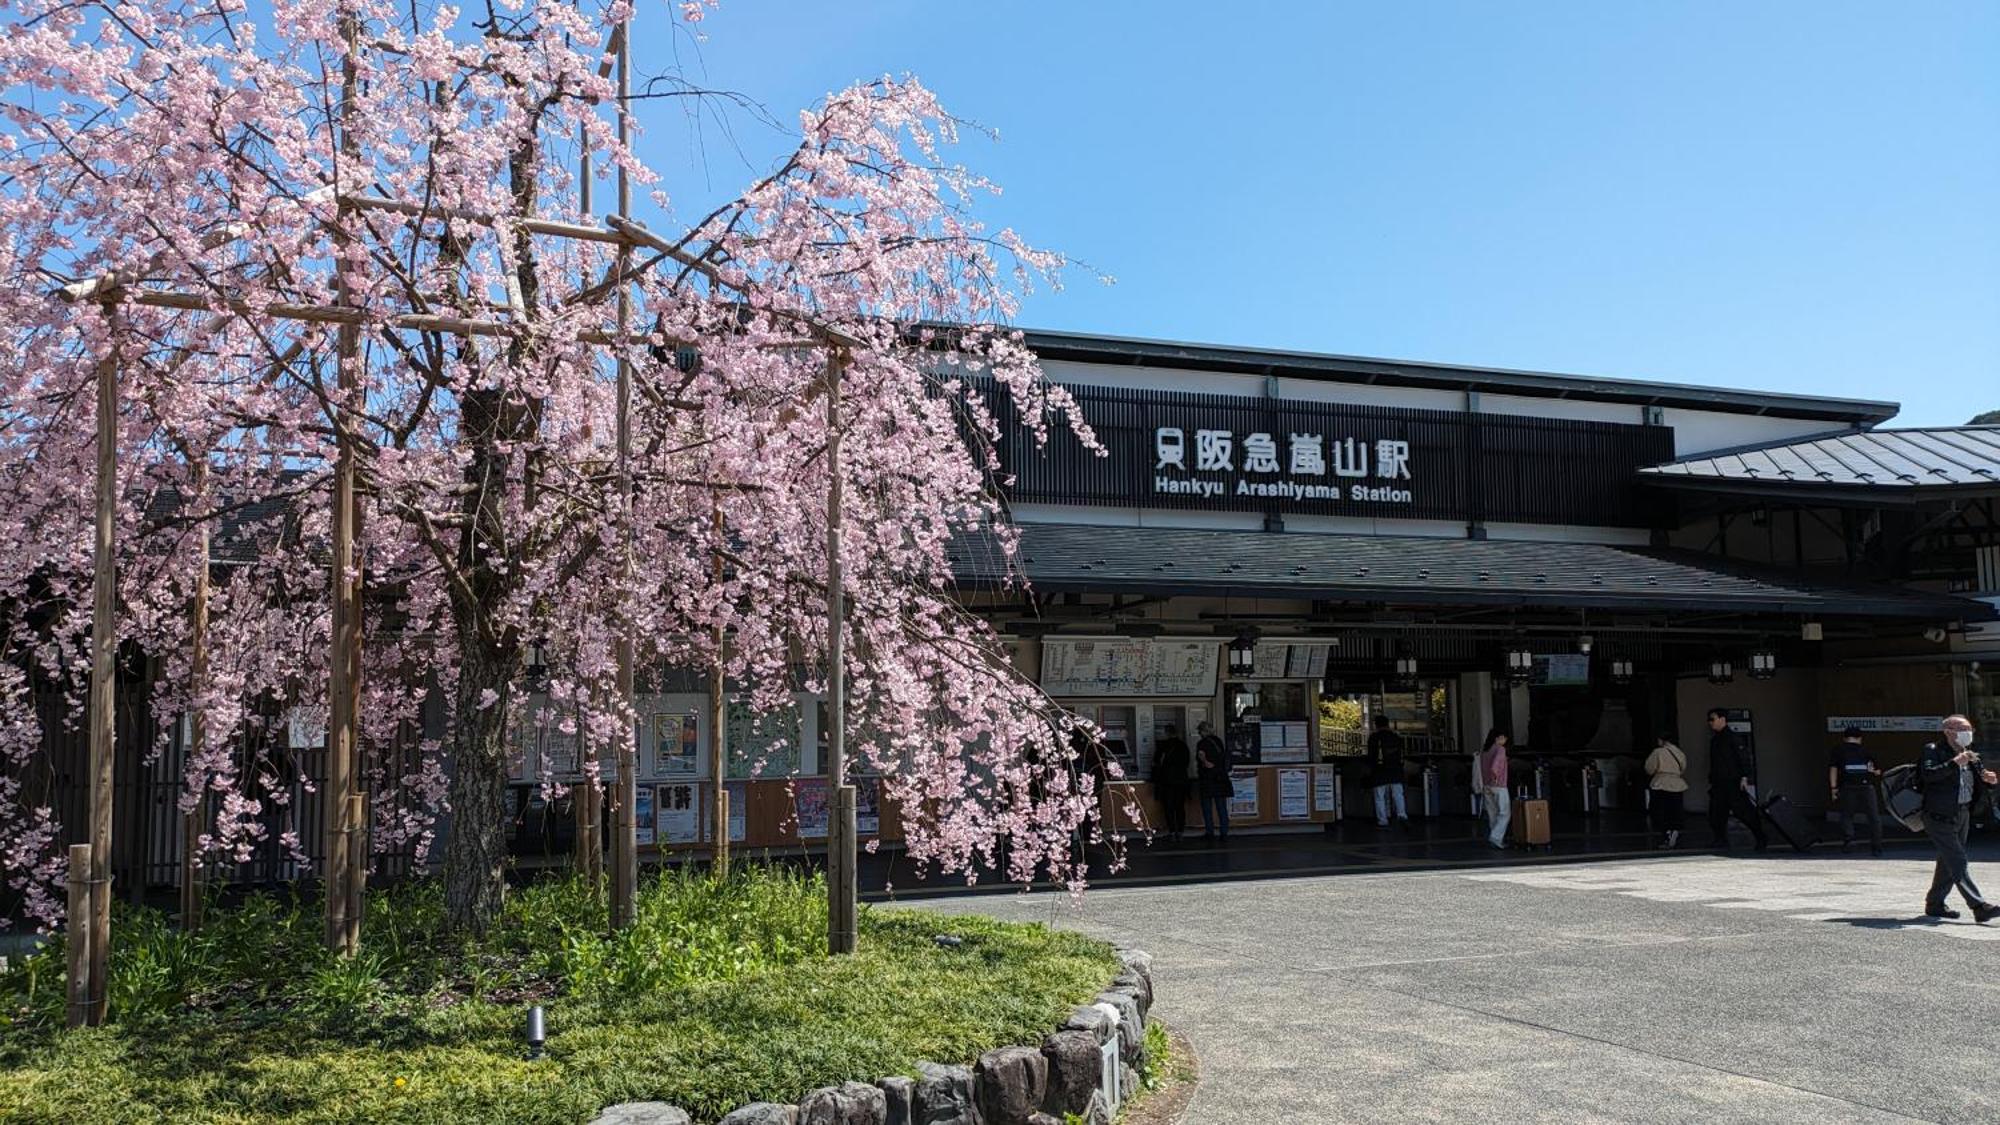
(1243, 653)
(1721, 671)
(1406, 669)
(1763, 664)
(1621, 671)
(1520, 664)
(1585, 643)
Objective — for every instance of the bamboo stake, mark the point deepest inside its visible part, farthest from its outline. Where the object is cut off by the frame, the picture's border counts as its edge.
(625, 835)
(103, 673)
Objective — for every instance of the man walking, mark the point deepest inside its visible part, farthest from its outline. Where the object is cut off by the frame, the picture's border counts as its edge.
(1951, 775)
(1170, 780)
(1729, 784)
(1850, 775)
(1385, 751)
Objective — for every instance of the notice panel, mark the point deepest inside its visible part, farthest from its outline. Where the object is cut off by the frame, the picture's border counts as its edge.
(1128, 666)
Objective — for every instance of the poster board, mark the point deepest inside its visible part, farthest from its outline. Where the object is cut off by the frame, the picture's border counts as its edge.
(867, 806)
(1294, 794)
(809, 808)
(1284, 741)
(739, 810)
(1289, 660)
(1129, 666)
(642, 815)
(677, 813)
(1243, 794)
(673, 745)
(1326, 791)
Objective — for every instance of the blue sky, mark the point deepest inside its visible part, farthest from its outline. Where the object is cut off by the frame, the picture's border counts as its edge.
(1786, 196)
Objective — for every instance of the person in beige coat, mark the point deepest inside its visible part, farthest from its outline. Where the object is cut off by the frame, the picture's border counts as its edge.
(1666, 767)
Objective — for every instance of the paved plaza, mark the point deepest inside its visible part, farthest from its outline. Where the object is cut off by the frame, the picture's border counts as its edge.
(1779, 988)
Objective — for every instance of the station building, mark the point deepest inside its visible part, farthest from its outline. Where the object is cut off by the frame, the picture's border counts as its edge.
(1288, 544)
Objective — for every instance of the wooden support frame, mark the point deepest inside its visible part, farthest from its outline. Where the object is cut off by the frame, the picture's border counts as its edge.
(346, 834)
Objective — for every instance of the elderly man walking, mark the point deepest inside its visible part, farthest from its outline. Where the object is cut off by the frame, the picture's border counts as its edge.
(1951, 776)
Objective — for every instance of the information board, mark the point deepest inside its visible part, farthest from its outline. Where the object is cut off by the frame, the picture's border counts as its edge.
(1243, 794)
(1127, 666)
(1289, 660)
(1294, 787)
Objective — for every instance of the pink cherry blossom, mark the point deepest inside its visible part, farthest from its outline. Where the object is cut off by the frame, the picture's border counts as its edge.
(211, 153)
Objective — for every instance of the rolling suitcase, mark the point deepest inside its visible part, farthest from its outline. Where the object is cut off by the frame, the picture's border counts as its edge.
(1530, 827)
(1791, 827)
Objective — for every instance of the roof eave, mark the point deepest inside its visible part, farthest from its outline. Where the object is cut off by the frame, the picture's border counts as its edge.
(1126, 351)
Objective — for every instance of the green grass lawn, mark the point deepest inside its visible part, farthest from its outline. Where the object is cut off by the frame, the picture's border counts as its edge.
(721, 994)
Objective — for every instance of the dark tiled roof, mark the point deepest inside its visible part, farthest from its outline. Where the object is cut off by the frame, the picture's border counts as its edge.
(1946, 457)
(1393, 570)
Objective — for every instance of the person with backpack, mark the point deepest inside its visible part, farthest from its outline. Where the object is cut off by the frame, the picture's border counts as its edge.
(1851, 773)
(1666, 788)
(1490, 778)
(1212, 782)
(1951, 776)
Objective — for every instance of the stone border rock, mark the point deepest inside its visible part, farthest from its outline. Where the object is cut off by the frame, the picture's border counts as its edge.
(1025, 1085)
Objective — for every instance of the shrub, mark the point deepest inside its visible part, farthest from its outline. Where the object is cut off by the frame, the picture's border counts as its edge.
(719, 994)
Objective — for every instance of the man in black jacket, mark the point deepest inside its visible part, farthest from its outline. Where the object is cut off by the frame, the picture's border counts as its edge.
(1729, 784)
(1951, 776)
(1170, 780)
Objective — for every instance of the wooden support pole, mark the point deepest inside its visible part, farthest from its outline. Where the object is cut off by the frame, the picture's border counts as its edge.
(81, 994)
(840, 835)
(195, 816)
(718, 725)
(103, 672)
(343, 808)
(590, 795)
(625, 825)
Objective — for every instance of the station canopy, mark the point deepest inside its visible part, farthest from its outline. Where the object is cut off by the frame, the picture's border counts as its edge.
(1906, 465)
(1405, 570)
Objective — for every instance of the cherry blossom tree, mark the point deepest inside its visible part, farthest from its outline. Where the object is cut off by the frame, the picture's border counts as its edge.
(229, 196)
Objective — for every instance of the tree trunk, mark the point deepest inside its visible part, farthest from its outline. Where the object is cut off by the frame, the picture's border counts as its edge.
(476, 848)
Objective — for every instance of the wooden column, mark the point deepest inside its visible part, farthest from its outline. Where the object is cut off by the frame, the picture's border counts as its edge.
(80, 992)
(343, 810)
(840, 835)
(718, 725)
(590, 795)
(195, 817)
(624, 825)
(103, 673)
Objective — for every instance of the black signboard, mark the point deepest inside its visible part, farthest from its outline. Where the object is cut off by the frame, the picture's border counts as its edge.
(1226, 453)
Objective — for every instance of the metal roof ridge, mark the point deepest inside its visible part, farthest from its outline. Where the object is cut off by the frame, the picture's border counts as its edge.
(1668, 392)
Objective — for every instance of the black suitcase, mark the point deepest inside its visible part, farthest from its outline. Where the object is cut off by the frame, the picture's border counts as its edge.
(1790, 826)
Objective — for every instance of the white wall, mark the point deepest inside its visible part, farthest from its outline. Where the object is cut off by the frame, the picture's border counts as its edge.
(1701, 431)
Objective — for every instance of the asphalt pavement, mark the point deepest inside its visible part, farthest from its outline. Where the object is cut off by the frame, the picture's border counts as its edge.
(1751, 988)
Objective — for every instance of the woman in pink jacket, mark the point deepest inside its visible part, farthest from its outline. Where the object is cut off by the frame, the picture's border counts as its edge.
(1492, 767)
